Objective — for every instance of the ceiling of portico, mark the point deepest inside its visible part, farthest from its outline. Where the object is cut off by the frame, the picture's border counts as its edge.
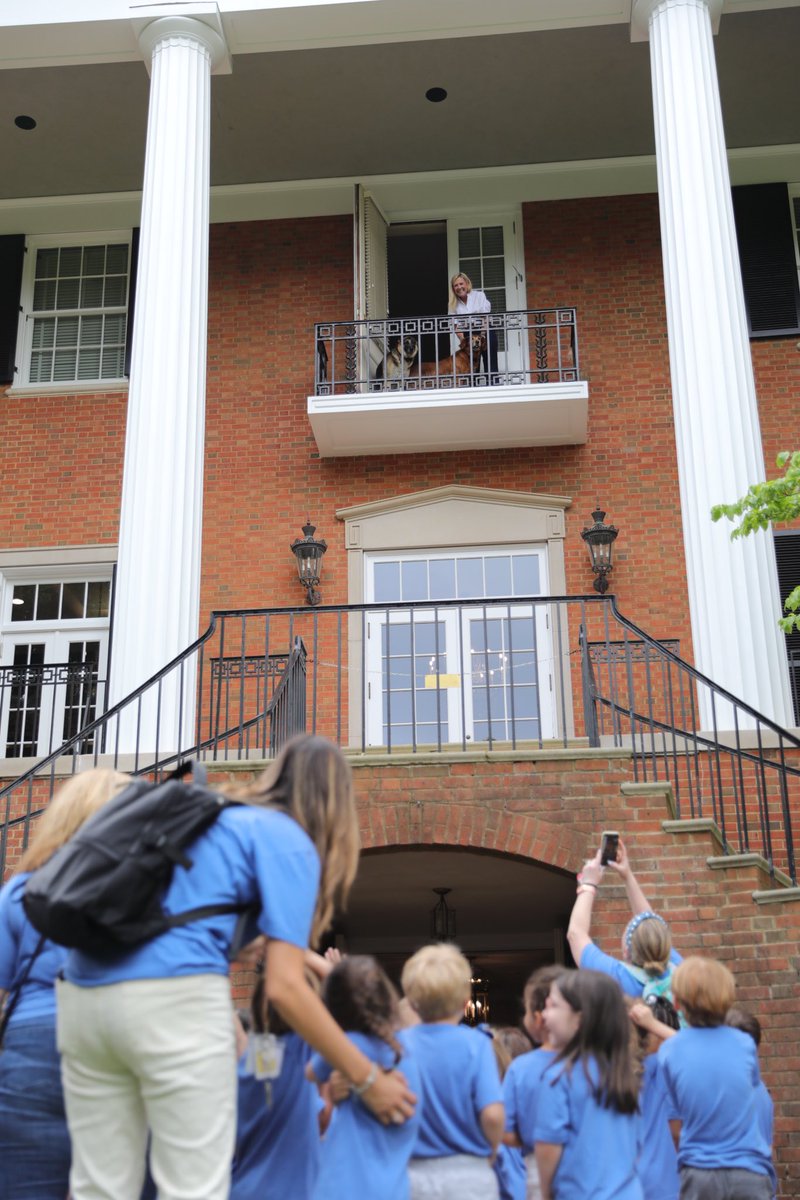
(552, 96)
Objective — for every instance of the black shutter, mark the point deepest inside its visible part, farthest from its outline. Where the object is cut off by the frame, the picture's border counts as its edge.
(131, 301)
(12, 256)
(787, 553)
(767, 253)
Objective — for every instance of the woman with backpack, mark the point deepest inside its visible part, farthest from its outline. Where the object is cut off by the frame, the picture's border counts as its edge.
(648, 955)
(147, 1035)
(34, 1142)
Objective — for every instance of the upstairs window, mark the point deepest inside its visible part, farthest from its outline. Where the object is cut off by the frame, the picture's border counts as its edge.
(75, 310)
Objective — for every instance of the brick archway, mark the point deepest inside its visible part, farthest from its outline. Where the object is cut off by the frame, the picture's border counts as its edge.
(394, 825)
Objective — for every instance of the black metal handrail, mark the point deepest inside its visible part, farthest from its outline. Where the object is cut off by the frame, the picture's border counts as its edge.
(730, 766)
(434, 352)
(515, 673)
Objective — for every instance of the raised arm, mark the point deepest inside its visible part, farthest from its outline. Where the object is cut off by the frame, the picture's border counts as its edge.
(636, 897)
(580, 921)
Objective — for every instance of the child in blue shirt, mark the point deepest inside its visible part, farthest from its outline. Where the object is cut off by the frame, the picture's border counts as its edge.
(360, 1156)
(587, 1131)
(462, 1117)
(655, 1021)
(740, 1018)
(711, 1073)
(277, 1127)
(523, 1082)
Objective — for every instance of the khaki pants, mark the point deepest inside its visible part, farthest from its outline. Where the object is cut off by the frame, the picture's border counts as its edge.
(157, 1055)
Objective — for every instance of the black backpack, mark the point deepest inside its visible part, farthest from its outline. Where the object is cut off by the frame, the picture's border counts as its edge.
(101, 892)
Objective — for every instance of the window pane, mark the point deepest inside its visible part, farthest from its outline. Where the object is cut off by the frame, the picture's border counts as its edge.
(387, 581)
(41, 367)
(113, 363)
(429, 638)
(494, 273)
(47, 263)
(492, 237)
(498, 575)
(114, 328)
(89, 364)
(64, 365)
(72, 600)
(470, 577)
(98, 598)
(68, 294)
(526, 575)
(69, 263)
(469, 243)
(67, 331)
(91, 331)
(117, 259)
(22, 602)
(94, 260)
(92, 293)
(44, 332)
(525, 702)
(396, 639)
(523, 633)
(115, 291)
(44, 295)
(414, 580)
(472, 267)
(442, 576)
(47, 604)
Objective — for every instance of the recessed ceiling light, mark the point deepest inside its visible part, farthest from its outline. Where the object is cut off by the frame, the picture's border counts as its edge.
(436, 95)
(23, 122)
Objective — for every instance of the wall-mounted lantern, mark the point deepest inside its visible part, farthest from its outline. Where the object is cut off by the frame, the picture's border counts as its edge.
(599, 540)
(308, 552)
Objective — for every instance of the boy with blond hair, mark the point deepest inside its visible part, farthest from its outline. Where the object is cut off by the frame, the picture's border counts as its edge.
(711, 1074)
(462, 1108)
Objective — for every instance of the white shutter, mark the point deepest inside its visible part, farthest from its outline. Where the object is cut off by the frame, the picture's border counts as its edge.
(371, 257)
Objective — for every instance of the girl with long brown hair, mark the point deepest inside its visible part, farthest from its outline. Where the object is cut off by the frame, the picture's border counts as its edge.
(147, 1038)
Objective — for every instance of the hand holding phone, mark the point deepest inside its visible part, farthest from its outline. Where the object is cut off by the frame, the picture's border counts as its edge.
(609, 846)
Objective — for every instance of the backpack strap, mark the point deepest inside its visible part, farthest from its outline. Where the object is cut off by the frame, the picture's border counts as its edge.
(14, 996)
(205, 910)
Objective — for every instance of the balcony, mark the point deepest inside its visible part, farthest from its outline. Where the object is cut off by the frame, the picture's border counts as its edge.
(416, 385)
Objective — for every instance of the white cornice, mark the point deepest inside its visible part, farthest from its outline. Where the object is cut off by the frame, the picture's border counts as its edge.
(453, 492)
(428, 194)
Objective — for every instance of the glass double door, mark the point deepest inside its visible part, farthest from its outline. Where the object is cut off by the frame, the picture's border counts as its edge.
(470, 672)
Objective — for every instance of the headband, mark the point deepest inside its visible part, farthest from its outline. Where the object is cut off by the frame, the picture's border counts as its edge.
(636, 921)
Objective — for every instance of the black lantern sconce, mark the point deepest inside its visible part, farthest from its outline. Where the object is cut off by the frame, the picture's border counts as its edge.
(443, 918)
(599, 540)
(308, 552)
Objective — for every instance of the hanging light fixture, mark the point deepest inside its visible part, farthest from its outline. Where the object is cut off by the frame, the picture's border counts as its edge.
(308, 552)
(443, 918)
(599, 539)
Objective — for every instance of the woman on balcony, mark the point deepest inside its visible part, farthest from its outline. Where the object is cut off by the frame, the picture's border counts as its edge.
(34, 1143)
(649, 957)
(466, 299)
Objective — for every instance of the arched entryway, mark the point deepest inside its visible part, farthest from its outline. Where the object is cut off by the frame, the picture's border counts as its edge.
(511, 912)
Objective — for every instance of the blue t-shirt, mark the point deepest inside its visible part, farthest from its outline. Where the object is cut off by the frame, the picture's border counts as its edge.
(600, 1145)
(595, 959)
(459, 1079)
(277, 1131)
(658, 1161)
(512, 1173)
(521, 1090)
(360, 1157)
(712, 1078)
(18, 942)
(251, 856)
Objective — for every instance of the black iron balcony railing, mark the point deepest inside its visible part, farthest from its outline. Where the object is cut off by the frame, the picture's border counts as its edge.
(515, 674)
(429, 353)
(43, 704)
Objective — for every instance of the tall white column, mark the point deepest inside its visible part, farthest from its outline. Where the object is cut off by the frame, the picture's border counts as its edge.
(733, 590)
(158, 579)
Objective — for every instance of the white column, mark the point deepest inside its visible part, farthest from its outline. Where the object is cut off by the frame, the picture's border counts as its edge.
(733, 590)
(158, 579)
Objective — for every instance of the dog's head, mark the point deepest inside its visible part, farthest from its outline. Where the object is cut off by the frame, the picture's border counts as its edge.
(473, 343)
(409, 347)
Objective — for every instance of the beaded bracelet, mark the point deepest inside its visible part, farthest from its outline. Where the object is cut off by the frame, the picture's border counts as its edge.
(358, 1089)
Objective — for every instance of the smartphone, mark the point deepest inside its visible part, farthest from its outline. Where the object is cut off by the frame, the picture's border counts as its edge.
(609, 846)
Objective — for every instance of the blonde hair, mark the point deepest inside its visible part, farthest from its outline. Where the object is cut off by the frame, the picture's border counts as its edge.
(311, 782)
(704, 989)
(437, 981)
(79, 798)
(650, 945)
(451, 307)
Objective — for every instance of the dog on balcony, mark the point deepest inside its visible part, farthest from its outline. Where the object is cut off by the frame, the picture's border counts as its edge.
(460, 368)
(401, 359)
